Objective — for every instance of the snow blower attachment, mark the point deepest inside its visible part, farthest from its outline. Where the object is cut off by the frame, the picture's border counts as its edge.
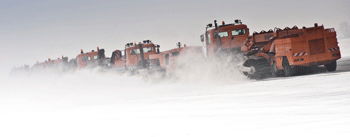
(290, 51)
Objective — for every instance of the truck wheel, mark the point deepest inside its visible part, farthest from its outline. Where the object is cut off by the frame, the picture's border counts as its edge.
(331, 66)
(287, 69)
(274, 70)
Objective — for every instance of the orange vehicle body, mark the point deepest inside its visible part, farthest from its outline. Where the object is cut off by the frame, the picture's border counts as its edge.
(287, 49)
(133, 57)
(314, 46)
(56, 63)
(168, 61)
(90, 59)
(60, 64)
(226, 38)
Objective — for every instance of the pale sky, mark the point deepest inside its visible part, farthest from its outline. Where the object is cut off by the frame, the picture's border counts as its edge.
(32, 30)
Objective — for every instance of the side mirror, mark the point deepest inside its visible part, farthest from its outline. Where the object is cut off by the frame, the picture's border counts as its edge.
(209, 25)
(232, 38)
(202, 38)
(157, 49)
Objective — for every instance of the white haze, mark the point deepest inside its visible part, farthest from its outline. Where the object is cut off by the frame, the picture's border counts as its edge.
(192, 69)
(344, 45)
(207, 100)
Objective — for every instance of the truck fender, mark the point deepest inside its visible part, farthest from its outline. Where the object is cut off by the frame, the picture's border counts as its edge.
(279, 61)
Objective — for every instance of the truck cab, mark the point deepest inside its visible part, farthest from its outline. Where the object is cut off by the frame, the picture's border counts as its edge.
(57, 64)
(226, 38)
(134, 57)
(50, 65)
(91, 59)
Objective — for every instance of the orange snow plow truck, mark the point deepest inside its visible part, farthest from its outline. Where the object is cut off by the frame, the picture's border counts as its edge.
(134, 57)
(59, 64)
(166, 62)
(90, 59)
(290, 51)
(225, 39)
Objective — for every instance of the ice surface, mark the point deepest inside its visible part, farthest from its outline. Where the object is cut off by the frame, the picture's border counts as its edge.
(92, 104)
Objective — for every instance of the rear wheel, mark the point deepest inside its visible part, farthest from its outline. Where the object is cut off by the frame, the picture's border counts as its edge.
(331, 66)
(287, 69)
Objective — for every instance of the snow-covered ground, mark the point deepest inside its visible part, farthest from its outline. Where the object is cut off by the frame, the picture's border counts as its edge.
(104, 105)
(95, 105)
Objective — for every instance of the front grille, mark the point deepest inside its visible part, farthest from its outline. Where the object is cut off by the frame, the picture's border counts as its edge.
(317, 46)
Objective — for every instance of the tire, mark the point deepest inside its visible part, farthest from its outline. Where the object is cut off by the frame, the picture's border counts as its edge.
(274, 70)
(331, 66)
(287, 69)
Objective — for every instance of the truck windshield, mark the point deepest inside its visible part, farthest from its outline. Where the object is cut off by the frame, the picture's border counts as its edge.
(134, 51)
(95, 57)
(83, 59)
(145, 50)
(238, 32)
(223, 34)
(148, 49)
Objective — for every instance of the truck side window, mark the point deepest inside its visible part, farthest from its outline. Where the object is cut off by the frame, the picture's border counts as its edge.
(208, 39)
(167, 59)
